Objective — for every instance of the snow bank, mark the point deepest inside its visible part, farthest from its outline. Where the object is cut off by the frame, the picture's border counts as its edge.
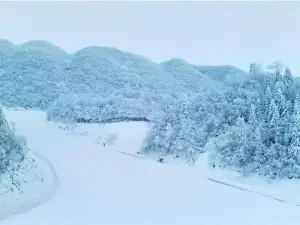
(28, 185)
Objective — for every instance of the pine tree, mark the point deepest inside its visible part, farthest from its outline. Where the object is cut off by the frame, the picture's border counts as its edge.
(168, 138)
(294, 136)
(259, 108)
(278, 76)
(267, 99)
(288, 82)
(288, 77)
(253, 69)
(259, 157)
(279, 98)
(273, 114)
(275, 142)
(240, 157)
(184, 129)
(273, 122)
(268, 81)
(252, 117)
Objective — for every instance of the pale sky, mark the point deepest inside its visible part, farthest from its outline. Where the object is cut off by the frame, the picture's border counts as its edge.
(202, 33)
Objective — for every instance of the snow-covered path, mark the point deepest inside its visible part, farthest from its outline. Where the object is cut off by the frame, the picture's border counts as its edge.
(98, 185)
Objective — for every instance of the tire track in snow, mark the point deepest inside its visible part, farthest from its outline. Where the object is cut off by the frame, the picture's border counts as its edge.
(49, 194)
(128, 154)
(228, 184)
(250, 191)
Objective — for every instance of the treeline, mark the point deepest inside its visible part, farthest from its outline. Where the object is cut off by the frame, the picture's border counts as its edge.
(259, 118)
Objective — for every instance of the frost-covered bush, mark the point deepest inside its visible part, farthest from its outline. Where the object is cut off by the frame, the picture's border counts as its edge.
(96, 108)
(12, 148)
(70, 107)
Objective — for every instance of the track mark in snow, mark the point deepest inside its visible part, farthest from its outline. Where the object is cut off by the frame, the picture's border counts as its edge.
(251, 191)
(49, 194)
(128, 154)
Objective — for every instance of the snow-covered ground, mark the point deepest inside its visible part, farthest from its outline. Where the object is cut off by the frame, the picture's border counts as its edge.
(99, 185)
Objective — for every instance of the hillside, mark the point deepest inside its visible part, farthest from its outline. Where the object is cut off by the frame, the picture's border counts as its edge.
(191, 78)
(47, 48)
(39, 72)
(223, 73)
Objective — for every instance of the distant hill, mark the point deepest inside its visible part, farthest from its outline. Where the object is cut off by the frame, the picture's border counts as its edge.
(47, 48)
(224, 73)
(189, 75)
(36, 73)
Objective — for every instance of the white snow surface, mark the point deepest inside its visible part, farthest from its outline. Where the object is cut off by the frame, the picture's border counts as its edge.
(99, 185)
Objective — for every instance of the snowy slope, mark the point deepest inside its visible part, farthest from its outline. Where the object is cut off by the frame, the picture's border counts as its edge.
(98, 185)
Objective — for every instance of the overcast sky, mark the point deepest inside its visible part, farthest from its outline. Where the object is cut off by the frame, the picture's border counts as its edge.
(200, 32)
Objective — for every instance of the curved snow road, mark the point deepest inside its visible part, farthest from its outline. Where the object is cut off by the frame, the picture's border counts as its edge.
(48, 194)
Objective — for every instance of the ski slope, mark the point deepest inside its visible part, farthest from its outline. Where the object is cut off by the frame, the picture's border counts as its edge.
(99, 185)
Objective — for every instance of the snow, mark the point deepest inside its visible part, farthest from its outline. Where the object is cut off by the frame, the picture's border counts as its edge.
(98, 185)
(39, 183)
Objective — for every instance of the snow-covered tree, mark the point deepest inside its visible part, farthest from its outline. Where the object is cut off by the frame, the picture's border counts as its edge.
(288, 77)
(252, 117)
(185, 128)
(259, 150)
(276, 67)
(253, 69)
(240, 156)
(279, 98)
(12, 148)
(267, 99)
(294, 134)
(273, 120)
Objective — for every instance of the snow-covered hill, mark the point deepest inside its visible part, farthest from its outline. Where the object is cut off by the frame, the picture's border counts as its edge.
(226, 74)
(99, 185)
(36, 73)
(189, 75)
(47, 48)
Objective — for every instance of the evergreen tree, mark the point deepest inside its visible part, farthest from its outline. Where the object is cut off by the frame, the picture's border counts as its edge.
(252, 116)
(184, 129)
(273, 122)
(288, 77)
(278, 76)
(267, 99)
(259, 108)
(268, 81)
(253, 69)
(259, 150)
(279, 98)
(294, 148)
(240, 156)
(12, 150)
(288, 82)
